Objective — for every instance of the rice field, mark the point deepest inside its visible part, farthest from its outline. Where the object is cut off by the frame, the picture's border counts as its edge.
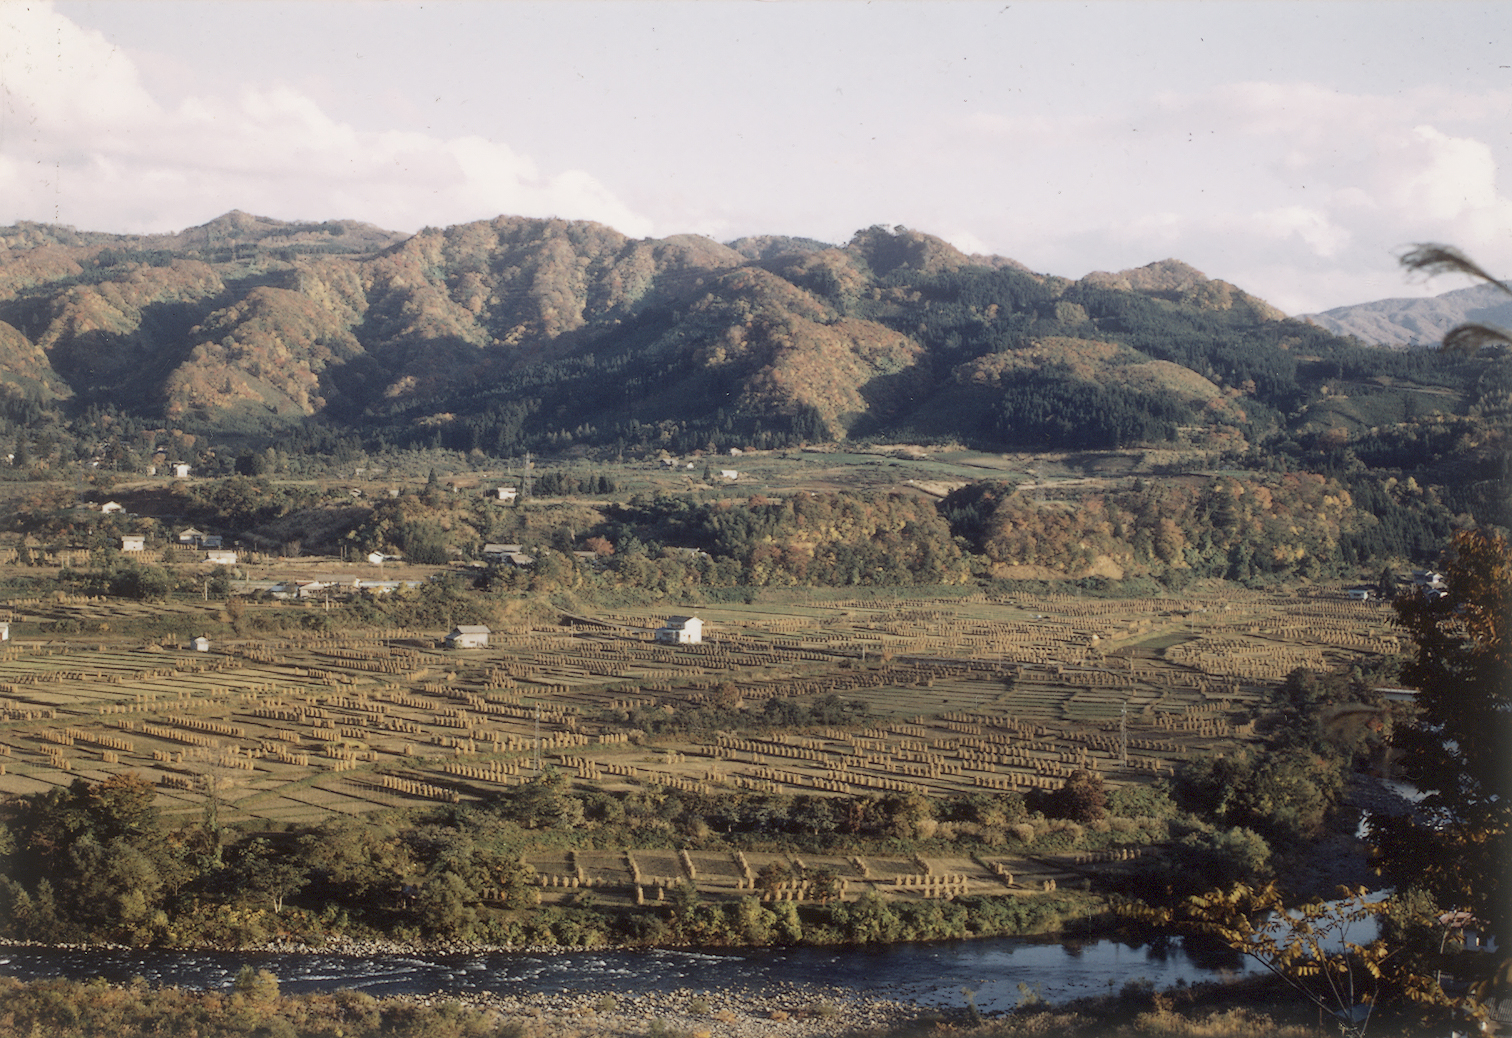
(964, 694)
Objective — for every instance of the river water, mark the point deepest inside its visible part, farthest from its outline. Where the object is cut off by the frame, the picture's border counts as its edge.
(928, 974)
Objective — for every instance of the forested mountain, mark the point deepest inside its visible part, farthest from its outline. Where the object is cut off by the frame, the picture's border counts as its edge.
(535, 334)
(1417, 322)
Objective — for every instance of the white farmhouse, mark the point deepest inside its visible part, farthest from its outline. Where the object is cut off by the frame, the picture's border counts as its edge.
(468, 636)
(681, 630)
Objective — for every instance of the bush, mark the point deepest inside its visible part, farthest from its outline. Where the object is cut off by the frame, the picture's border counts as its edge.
(1220, 859)
(145, 583)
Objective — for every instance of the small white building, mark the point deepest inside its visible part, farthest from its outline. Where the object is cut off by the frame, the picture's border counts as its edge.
(180, 471)
(112, 507)
(468, 636)
(4, 632)
(221, 557)
(201, 644)
(681, 630)
(506, 494)
(134, 542)
(729, 473)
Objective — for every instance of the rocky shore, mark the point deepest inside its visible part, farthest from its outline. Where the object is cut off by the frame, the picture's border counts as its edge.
(788, 1010)
(784, 1009)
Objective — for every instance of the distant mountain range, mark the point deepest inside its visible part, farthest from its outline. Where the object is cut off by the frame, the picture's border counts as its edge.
(1417, 322)
(519, 333)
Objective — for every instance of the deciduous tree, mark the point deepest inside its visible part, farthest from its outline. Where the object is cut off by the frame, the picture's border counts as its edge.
(1459, 842)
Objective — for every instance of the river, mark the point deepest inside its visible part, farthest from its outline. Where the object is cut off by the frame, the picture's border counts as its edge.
(936, 974)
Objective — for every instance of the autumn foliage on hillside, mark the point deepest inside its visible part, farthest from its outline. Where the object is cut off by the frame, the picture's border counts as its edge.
(503, 334)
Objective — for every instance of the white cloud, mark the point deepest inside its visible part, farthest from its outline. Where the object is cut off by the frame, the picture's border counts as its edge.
(82, 142)
(1293, 191)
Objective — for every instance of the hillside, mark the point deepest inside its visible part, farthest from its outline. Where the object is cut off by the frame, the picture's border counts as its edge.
(545, 335)
(517, 333)
(1417, 322)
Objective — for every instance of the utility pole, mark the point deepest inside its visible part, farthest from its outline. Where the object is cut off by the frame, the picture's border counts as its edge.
(538, 738)
(1123, 734)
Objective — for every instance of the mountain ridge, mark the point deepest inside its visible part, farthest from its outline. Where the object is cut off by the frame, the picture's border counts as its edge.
(1417, 322)
(516, 332)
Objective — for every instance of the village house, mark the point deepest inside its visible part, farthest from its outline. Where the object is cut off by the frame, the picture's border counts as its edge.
(211, 540)
(468, 636)
(190, 536)
(112, 507)
(180, 471)
(506, 494)
(4, 632)
(221, 557)
(681, 630)
(729, 473)
(201, 644)
(1360, 594)
(299, 589)
(134, 542)
(498, 552)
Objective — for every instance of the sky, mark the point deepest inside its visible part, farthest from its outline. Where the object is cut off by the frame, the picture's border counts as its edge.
(1292, 148)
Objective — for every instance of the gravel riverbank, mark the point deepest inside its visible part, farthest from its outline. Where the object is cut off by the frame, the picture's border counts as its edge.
(788, 1010)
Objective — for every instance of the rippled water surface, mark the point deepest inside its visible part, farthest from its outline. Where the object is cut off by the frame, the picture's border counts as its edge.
(997, 972)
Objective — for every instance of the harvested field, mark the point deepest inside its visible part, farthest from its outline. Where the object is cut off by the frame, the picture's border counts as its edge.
(962, 693)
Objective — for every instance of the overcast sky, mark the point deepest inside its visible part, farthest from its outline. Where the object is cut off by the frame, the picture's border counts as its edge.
(1292, 148)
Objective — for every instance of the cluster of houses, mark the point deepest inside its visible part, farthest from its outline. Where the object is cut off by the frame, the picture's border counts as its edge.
(729, 475)
(211, 544)
(1427, 582)
(512, 554)
(215, 552)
